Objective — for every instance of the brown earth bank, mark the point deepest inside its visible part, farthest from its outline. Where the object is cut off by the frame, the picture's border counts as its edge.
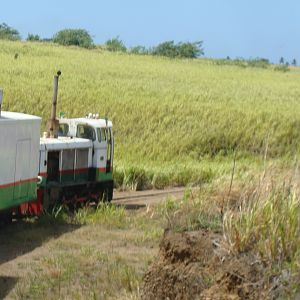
(196, 265)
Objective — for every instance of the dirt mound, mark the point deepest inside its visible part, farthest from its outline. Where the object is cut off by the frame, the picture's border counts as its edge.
(194, 265)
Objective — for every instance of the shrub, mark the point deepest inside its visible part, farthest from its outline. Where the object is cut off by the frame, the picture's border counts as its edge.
(190, 50)
(139, 50)
(282, 68)
(76, 37)
(115, 45)
(168, 49)
(9, 33)
(242, 62)
(258, 62)
(33, 37)
(183, 50)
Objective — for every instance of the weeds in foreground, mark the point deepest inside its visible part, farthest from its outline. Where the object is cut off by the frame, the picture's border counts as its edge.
(193, 212)
(106, 214)
(261, 221)
(268, 224)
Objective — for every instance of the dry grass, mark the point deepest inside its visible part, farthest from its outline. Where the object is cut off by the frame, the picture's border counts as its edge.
(88, 260)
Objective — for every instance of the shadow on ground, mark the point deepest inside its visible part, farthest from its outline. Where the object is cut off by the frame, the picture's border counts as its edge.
(6, 285)
(22, 237)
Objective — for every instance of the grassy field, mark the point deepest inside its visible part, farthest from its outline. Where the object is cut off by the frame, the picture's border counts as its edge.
(176, 121)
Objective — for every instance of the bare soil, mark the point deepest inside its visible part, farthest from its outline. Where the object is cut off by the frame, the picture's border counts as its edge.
(144, 198)
(194, 265)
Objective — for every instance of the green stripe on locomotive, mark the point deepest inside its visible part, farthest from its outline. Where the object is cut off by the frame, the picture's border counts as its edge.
(13, 195)
(91, 175)
(103, 176)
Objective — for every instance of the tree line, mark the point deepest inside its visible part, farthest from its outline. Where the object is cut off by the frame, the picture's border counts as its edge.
(82, 38)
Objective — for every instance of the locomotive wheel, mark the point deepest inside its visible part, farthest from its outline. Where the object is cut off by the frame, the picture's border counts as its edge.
(108, 195)
(5, 218)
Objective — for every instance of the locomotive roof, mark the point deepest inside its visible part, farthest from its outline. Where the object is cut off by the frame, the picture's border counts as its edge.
(91, 122)
(62, 143)
(13, 116)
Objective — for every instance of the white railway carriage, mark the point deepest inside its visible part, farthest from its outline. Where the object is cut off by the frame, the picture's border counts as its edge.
(19, 159)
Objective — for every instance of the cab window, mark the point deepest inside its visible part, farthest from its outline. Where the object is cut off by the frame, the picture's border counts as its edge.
(101, 134)
(63, 130)
(86, 132)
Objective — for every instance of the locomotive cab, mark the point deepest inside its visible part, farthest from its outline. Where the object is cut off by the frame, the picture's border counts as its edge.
(99, 131)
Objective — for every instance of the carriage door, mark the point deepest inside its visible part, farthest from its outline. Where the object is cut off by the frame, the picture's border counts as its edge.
(22, 170)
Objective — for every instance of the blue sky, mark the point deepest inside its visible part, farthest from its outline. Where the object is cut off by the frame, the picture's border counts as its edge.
(243, 28)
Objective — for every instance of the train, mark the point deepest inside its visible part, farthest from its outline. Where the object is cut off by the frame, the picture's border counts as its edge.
(71, 164)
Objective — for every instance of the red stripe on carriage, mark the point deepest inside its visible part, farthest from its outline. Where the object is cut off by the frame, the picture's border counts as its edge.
(3, 186)
(72, 171)
(103, 170)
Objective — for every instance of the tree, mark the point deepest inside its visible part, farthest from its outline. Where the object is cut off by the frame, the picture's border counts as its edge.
(33, 37)
(115, 45)
(183, 50)
(190, 50)
(294, 62)
(168, 49)
(76, 37)
(281, 61)
(9, 33)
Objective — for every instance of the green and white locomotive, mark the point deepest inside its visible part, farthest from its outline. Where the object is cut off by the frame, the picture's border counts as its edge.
(72, 163)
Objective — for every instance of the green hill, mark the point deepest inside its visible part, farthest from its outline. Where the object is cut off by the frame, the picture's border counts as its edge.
(176, 121)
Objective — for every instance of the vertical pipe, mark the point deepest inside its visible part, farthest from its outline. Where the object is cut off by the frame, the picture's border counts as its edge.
(1, 96)
(53, 123)
(54, 100)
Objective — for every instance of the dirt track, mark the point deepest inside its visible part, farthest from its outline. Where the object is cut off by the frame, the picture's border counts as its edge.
(144, 198)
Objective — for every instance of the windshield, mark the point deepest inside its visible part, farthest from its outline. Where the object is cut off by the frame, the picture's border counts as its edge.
(86, 132)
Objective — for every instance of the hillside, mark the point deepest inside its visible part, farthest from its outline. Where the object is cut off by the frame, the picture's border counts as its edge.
(176, 121)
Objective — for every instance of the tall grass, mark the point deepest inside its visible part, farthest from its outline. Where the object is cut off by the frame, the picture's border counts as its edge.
(108, 215)
(269, 224)
(172, 118)
(266, 224)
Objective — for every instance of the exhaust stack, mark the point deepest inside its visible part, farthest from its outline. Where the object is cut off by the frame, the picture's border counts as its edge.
(53, 124)
(1, 96)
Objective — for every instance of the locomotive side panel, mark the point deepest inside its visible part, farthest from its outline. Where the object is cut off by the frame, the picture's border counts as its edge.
(19, 145)
(7, 163)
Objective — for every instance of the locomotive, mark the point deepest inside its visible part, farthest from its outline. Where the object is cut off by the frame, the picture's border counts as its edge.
(72, 163)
